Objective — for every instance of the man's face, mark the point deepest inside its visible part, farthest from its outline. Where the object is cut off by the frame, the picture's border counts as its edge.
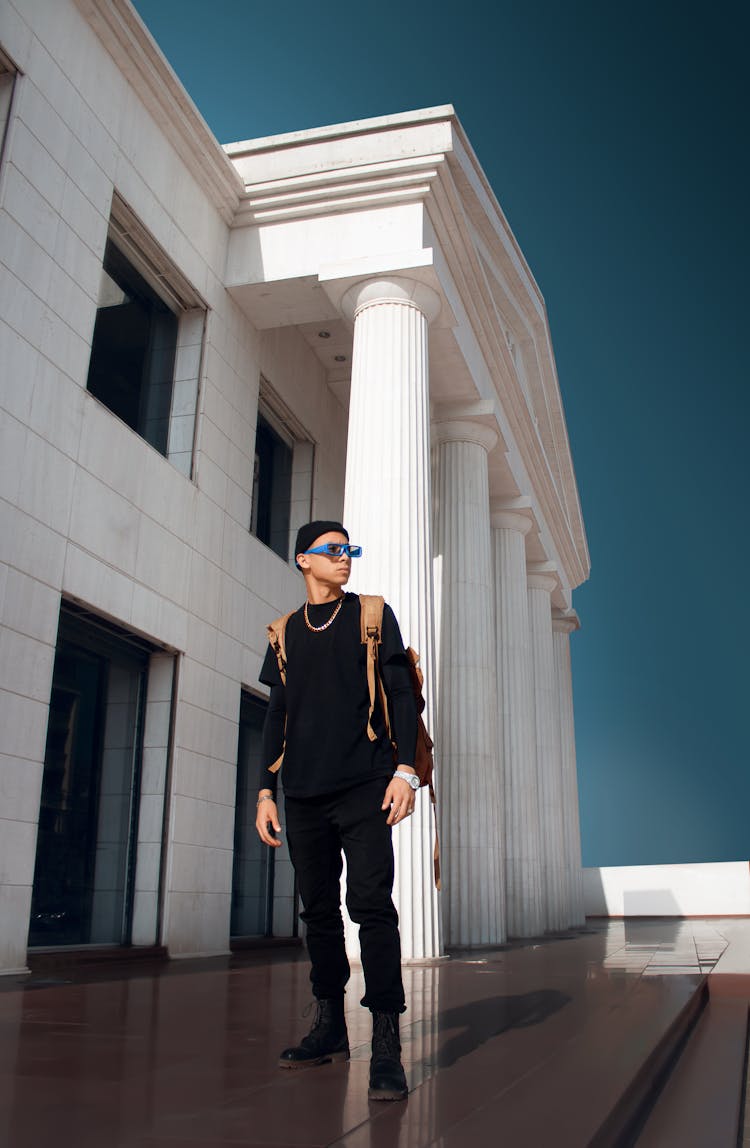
(324, 568)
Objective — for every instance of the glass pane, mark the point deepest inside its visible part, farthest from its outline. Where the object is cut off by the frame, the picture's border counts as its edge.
(6, 92)
(272, 489)
(159, 374)
(82, 880)
(115, 806)
(281, 496)
(252, 876)
(131, 369)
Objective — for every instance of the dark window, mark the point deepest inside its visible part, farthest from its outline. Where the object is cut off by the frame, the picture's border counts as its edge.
(85, 858)
(133, 350)
(7, 78)
(272, 489)
(252, 877)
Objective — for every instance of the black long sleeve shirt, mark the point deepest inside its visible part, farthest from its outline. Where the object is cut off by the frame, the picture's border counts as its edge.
(326, 700)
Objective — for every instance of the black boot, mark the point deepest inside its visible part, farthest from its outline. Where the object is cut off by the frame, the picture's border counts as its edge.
(387, 1078)
(327, 1040)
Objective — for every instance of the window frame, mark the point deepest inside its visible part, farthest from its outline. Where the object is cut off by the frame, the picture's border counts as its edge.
(284, 424)
(150, 263)
(8, 97)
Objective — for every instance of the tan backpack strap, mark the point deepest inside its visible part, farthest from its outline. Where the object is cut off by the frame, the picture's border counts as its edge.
(384, 705)
(276, 631)
(371, 625)
(436, 850)
(371, 608)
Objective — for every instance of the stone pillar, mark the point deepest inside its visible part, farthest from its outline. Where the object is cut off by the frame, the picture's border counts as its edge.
(470, 781)
(549, 770)
(153, 789)
(562, 627)
(387, 508)
(523, 865)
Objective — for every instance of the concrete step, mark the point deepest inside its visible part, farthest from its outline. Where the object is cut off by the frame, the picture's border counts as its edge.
(592, 1087)
(701, 1102)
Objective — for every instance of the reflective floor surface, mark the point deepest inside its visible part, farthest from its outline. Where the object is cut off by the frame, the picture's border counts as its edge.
(526, 1044)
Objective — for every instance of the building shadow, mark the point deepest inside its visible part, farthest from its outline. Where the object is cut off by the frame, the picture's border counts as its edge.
(652, 917)
(479, 1021)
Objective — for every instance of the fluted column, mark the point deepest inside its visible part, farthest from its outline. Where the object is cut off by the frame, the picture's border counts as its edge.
(387, 509)
(470, 791)
(524, 911)
(562, 628)
(549, 770)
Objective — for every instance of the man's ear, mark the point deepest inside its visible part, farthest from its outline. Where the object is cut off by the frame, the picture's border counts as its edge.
(303, 561)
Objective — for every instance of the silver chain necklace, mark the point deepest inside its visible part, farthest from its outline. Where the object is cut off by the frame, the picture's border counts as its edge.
(331, 620)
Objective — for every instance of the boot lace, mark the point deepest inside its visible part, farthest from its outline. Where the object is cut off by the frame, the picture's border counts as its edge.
(385, 1042)
(314, 1004)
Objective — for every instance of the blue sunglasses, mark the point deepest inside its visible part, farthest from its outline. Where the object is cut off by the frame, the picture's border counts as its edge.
(336, 549)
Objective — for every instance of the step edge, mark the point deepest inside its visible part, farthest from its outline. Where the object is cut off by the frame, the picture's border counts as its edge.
(628, 1116)
(683, 1100)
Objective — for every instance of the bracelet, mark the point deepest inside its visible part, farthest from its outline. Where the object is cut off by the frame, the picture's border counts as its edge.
(264, 797)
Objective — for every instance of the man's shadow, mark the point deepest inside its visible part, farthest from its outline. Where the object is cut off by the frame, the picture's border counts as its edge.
(481, 1020)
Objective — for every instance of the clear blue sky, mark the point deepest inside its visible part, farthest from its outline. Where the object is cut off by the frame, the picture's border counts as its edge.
(614, 136)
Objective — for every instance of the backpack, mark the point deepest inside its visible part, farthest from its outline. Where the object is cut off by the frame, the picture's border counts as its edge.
(371, 623)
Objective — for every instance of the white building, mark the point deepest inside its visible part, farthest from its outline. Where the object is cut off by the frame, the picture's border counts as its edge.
(201, 349)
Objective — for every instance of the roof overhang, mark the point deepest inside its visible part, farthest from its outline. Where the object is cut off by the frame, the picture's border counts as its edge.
(406, 195)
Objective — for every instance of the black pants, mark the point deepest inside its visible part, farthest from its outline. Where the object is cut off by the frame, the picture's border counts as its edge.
(318, 828)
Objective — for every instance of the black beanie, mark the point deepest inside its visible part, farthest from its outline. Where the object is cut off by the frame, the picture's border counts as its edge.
(307, 534)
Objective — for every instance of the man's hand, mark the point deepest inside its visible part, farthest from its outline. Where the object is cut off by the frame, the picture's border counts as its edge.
(267, 814)
(400, 797)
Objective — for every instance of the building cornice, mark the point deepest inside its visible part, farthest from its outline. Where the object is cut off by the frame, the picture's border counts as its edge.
(337, 190)
(330, 132)
(139, 58)
(451, 212)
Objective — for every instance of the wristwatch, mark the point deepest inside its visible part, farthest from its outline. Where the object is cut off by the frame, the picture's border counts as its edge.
(410, 777)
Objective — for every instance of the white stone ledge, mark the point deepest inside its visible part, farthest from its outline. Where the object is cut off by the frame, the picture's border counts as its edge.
(721, 889)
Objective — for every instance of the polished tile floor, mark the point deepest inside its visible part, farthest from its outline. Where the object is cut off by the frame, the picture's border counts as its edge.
(508, 1045)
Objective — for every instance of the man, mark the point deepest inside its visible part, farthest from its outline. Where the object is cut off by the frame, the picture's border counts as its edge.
(341, 793)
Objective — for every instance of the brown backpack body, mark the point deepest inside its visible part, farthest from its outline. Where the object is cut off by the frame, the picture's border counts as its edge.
(371, 625)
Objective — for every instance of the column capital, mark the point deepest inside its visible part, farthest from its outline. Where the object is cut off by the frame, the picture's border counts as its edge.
(510, 520)
(565, 623)
(391, 289)
(541, 580)
(463, 430)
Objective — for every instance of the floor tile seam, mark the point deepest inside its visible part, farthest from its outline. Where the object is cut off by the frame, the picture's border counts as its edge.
(702, 976)
(212, 1110)
(362, 1123)
(678, 956)
(686, 961)
(41, 1022)
(170, 1142)
(74, 1031)
(209, 1106)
